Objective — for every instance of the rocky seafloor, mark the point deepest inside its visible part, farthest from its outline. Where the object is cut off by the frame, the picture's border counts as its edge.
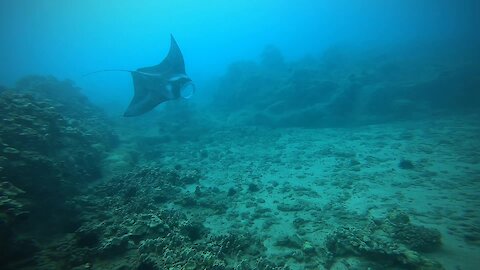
(389, 196)
(303, 201)
(79, 190)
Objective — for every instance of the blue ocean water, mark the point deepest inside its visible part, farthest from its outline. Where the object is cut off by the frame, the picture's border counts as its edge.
(320, 134)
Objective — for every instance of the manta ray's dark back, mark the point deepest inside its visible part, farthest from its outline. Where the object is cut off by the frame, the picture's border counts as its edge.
(156, 84)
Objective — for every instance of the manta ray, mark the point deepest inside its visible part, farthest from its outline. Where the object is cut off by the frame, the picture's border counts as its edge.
(157, 84)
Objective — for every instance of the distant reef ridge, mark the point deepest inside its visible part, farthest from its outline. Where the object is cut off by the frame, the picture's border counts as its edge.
(344, 87)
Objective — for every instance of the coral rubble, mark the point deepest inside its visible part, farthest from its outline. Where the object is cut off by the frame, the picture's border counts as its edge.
(130, 223)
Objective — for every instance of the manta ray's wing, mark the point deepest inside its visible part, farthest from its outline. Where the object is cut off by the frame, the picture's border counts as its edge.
(172, 64)
(151, 83)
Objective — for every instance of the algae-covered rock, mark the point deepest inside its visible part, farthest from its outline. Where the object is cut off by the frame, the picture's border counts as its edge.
(114, 246)
(392, 242)
(416, 237)
(12, 203)
(13, 212)
(364, 243)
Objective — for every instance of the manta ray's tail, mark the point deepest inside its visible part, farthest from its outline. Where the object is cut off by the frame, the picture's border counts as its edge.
(106, 70)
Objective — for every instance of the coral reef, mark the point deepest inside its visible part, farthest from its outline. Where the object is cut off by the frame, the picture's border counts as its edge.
(52, 142)
(45, 152)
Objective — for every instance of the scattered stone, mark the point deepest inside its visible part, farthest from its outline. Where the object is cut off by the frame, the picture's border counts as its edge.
(406, 164)
(232, 191)
(308, 249)
(290, 207)
(289, 241)
(252, 187)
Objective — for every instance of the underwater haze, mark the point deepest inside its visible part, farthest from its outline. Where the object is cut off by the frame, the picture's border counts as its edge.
(240, 134)
(71, 38)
